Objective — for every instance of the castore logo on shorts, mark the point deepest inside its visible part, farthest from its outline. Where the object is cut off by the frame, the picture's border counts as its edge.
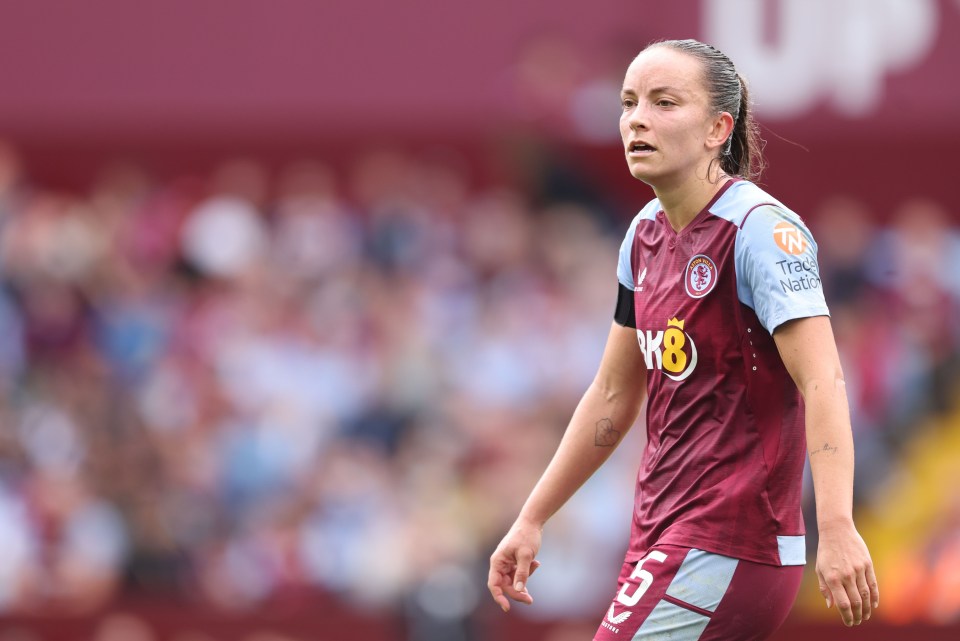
(615, 619)
(671, 350)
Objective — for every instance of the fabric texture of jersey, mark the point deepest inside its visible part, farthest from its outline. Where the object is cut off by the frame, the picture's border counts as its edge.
(722, 467)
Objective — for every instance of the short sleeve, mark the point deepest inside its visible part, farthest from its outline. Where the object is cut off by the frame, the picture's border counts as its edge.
(776, 264)
(624, 312)
(625, 263)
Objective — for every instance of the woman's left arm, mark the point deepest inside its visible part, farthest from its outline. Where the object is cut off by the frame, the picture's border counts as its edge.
(844, 568)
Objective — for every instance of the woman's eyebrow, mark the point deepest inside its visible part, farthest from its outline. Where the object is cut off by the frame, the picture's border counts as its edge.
(666, 89)
(656, 90)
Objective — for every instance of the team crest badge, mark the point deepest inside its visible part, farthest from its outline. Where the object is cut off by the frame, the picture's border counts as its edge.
(701, 276)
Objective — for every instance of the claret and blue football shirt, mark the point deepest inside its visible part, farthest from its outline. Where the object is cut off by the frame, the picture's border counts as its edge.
(723, 463)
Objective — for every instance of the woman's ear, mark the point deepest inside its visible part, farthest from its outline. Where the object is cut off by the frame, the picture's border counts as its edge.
(720, 130)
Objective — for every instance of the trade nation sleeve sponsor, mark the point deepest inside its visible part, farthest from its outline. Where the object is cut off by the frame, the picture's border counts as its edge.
(777, 271)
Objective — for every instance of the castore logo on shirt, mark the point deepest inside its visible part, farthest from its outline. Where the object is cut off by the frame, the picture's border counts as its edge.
(643, 274)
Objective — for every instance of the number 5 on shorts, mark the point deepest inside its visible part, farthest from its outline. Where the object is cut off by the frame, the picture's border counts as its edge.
(645, 577)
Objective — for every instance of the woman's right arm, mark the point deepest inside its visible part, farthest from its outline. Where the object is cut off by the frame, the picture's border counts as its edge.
(607, 410)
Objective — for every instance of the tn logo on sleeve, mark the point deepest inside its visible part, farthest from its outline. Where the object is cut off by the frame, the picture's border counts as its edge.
(789, 238)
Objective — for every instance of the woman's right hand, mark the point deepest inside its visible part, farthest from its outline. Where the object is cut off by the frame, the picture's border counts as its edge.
(513, 562)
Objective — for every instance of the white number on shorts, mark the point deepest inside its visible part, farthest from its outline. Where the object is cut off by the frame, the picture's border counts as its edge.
(645, 577)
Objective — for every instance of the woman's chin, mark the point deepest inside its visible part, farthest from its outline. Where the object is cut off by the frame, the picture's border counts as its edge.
(642, 174)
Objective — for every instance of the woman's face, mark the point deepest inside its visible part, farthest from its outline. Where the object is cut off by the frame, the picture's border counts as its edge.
(668, 129)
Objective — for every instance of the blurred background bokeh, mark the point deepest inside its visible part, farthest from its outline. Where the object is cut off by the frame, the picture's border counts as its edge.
(296, 299)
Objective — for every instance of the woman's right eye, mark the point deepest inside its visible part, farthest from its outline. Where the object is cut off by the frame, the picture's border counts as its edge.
(627, 103)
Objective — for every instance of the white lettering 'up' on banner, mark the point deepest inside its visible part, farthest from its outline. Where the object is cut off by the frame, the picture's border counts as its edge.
(837, 50)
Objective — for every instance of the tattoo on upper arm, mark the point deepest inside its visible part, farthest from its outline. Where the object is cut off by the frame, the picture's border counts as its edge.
(826, 447)
(606, 435)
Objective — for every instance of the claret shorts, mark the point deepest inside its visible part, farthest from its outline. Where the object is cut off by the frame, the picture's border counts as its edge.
(685, 594)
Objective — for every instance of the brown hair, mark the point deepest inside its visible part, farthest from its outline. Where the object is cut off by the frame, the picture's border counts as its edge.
(742, 155)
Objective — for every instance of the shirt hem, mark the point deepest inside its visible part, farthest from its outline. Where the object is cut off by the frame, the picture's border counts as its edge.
(808, 312)
(716, 547)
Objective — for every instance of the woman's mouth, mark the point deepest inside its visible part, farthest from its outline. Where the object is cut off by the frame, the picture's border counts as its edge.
(640, 148)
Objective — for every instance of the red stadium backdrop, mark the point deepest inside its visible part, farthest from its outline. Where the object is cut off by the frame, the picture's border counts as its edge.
(329, 622)
(869, 104)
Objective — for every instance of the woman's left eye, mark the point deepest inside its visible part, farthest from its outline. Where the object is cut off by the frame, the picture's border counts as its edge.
(665, 103)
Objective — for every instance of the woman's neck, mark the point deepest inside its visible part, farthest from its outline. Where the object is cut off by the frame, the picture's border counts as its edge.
(682, 203)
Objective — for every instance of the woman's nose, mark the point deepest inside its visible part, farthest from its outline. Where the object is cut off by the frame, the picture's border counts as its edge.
(637, 119)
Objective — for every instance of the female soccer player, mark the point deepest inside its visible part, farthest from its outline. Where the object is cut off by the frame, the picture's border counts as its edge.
(721, 322)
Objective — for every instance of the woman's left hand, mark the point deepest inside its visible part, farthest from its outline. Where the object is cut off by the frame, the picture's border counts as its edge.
(513, 562)
(845, 573)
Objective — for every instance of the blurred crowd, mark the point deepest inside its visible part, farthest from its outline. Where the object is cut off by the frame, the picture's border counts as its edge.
(256, 385)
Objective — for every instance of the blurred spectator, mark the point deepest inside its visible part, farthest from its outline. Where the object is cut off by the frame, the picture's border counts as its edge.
(124, 627)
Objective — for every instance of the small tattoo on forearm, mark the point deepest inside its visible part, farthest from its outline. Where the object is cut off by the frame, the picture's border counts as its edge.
(606, 436)
(826, 447)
